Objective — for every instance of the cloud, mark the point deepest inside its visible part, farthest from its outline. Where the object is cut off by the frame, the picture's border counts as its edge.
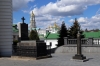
(56, 11)
(89, 23)
(26, 11)
(98, 12)
(47, 20)
(65, 7)
(18, 4)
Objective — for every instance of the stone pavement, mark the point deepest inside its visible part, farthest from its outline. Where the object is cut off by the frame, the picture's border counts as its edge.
(60, 59)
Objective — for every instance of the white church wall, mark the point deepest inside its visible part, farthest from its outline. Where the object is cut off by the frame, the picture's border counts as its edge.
(6, 33)
(54, 42)
(96, 42)
(42, 32)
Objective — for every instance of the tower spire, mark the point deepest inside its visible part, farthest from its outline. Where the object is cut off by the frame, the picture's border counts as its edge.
(32, 21)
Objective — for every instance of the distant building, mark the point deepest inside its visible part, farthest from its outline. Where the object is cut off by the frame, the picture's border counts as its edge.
(53, 28)
(32, 25)
(52, 37)
(32, 21)
(42, 33)
(15, 32)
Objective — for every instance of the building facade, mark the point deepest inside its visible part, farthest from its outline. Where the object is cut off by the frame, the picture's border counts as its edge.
(15, 33)
(52, 37)
(6, 33)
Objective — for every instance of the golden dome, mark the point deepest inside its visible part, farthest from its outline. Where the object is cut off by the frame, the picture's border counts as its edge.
(55, 25)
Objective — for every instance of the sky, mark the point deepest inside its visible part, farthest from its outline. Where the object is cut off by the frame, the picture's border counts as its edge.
(48, 12)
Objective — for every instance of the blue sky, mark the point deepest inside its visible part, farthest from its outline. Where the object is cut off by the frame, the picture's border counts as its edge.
(47, 12)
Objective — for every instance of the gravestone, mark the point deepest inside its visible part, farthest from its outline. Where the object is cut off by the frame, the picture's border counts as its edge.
(32, 49)
(79, 55)
(23, 30)
(27, 48)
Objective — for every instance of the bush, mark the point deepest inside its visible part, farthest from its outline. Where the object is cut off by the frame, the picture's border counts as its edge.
(34, 35)
(15, 42)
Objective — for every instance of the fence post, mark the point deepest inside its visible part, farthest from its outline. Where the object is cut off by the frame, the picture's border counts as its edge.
(50, 48)
(90, 41)
(65, 40)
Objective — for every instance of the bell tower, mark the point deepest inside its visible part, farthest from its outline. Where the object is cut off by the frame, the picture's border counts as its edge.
(32, 21)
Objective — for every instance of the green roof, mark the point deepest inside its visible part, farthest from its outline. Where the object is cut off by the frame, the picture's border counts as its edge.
(52, 36)
(14, 29)
(92, 34)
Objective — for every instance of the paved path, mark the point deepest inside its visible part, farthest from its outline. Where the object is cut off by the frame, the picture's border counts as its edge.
(62, 59)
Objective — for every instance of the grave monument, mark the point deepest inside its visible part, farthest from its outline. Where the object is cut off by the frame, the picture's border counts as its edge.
(30, 48)
(79, 55)
(23, 30)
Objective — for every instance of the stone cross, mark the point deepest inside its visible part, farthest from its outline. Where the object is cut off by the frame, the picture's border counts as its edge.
(23, 19)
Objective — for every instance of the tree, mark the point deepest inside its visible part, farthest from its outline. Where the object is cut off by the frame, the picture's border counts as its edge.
(15, 26)
(62, 33)
(34, 35)
(86, 30)
(74, 30)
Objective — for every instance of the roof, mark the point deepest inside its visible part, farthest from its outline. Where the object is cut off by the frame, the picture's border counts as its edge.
(92, 34)
(52, 36)
(14, 28)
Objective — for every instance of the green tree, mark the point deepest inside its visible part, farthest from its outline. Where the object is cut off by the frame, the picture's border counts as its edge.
(74, 30)
(62, 33)
(34, 35)
(86, 30)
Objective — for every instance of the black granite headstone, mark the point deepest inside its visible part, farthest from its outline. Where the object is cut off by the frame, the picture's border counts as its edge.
(24, 30)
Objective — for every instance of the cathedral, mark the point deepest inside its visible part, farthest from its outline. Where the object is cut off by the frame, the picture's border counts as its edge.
(54, 28)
